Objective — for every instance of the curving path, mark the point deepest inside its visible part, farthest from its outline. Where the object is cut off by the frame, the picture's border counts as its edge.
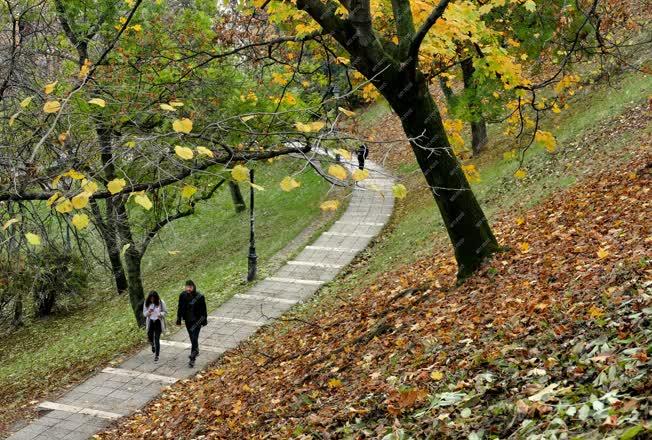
(117, 392)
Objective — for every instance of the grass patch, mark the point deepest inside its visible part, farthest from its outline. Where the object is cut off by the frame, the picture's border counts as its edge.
(212, 250)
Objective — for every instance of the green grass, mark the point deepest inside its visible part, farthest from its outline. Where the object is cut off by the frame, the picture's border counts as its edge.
(212, 250)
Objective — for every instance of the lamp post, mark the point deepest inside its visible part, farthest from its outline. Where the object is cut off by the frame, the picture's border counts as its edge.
(252, 259)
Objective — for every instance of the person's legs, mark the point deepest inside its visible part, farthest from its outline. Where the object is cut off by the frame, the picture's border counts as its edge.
(150, 336)
(157, 337)
(361, 161)
(193, 333)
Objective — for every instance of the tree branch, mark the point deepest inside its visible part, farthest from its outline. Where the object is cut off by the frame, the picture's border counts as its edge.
(415, 45)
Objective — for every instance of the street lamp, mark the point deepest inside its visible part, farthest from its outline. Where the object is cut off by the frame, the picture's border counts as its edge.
(252, 259)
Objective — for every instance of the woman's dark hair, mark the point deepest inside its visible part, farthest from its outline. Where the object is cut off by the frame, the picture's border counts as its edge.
(152, 297)
(191, 283)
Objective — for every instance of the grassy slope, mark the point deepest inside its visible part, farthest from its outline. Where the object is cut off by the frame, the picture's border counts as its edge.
(213, 245)
(416, 231)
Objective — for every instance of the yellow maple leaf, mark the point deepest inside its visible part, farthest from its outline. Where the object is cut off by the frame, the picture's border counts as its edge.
(520, 174)
(337, 171)
(182, 125)
(399, 190)
(80, 200)
(203, 151)
(116, 185)
(602, 253)
(33, 239)
(240, 173)
(546, 139)
(288, 184)
(49, 88)
(184, 152)
(98, 102)
(359, 175)
(309, 127)
(188, 191)
(52, 199)
(334, 383)
(329, 205)
(436, 375)
(80, 221)
(144, 201)
(64, 205)
(595, 312)
(519, 220)
(51, 107)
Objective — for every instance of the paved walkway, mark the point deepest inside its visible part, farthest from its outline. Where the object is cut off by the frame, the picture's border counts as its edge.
(117, 392)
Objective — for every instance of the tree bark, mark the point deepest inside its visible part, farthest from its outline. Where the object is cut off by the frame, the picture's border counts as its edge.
(461, 213)
(236, 195)
(478, 125)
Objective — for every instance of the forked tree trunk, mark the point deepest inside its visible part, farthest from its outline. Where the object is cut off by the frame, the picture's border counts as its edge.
(479, 137)
(236, 195)
(461, 213)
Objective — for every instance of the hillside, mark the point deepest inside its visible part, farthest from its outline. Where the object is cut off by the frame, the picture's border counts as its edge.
(551, 336)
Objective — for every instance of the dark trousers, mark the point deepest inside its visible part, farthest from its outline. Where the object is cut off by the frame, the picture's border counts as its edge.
(193, 331)
(154, 335)
(361, 161)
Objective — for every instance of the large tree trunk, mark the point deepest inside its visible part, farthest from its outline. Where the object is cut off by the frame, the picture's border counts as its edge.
(478, 126)
(238, 201)
(106, 226)
(462, 215)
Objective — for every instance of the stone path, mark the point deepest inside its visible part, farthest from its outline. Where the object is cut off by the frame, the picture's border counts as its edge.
(116, 392)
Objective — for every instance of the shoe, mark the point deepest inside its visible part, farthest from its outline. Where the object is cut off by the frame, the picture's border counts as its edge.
(191, 364)
(155, 358)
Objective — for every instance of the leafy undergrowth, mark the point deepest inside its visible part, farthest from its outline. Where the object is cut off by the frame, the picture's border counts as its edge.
(551, 339)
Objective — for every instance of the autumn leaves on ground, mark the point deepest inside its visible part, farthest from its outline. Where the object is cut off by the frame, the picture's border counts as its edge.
(550, 336)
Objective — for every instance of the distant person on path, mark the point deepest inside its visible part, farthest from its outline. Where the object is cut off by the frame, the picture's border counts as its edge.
(192, 310)
(363, 153)
(154, 310)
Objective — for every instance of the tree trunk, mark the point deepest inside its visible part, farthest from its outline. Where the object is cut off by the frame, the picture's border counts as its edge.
(478, 125)
(236, 195)
(132, 258)
(461, 213)
(106, 226)
(17, 320)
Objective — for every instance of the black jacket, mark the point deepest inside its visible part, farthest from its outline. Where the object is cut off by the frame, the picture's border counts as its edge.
(192, 308)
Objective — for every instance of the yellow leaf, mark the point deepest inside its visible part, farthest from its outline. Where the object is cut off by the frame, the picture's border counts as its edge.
(334, 383)
(309, 127)
(182, 125)
(26, 102)
(130, 144)
(530, 5)
(168, 107)
(9, 223)
(33, 239)
(436, 375)
(342, 60)
(509, 155)
(519, 221)
(12, 119)
(51, 107)
(89, 186)
(247, 118)
(399, 190)
(258, 187)
(173, 252)
(595, 312)
(49, 88)
(52, 199)
(143, 201)
(203, 151)
(546, 139)
(137, 28)
(84, 69)
(288, 184)
(329, 205)
(123, 251)
(98, 102)
(184, 152)
(602, 253)
(359, 175)
(176, 103)
(73, 174)
(116, 185)
(346, 154)
(337, 171)
(63, 206)
(240, 173)
(524, 246)
(188, 191)
(346, 112)
(520, 174)
(471, 173)
(80, 200)
(80, 221)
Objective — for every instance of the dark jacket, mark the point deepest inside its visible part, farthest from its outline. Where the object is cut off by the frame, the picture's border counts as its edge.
(363, 151)
(192, 308)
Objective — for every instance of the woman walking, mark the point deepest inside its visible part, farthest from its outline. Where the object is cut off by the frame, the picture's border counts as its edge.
(154, 311)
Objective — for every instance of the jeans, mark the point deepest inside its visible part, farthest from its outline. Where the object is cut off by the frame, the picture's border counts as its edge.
(193, 331)
(361, 159)
(154, 335)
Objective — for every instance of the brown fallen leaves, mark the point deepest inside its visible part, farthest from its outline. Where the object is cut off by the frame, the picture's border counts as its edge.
(379, 355)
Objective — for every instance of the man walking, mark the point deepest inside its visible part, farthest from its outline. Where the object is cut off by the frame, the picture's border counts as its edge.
(363, 153)
(192, 310)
